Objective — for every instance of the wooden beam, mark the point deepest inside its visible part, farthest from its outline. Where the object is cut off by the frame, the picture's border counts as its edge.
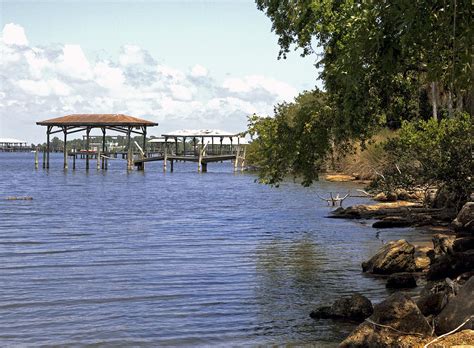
(103, 148)
(47, 146)
(88, 130)
(65, 147)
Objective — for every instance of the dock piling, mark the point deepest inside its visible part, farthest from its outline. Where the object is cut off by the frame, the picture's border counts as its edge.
(36, 159)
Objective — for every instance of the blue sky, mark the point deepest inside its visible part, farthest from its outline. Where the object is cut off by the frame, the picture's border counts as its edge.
(229, 44)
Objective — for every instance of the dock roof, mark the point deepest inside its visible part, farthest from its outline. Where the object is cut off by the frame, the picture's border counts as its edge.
(96, 120)
(200, 133)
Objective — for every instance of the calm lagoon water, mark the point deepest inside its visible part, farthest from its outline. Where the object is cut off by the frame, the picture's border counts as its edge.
(178, 259)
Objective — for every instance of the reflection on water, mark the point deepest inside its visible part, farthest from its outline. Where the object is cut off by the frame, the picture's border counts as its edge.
(152, 259)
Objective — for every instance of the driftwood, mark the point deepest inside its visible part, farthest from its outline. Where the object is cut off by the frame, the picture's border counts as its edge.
(334, 201)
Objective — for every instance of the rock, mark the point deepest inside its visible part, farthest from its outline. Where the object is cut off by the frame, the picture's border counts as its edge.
(393, 257)
(401, 281)
(459, 309)
(451, 265)
(423, 258)
(443, 243)
(465, 218)
(400, 313)
(386, 197)
(392, 221)
(464, 338)
(431, 304)
(355, 307)
(463, 244)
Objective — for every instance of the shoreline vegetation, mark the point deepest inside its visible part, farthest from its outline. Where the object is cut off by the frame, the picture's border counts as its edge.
(396, 110)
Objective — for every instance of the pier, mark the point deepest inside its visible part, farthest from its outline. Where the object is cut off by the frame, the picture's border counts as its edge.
(71, 124)
(200, 146)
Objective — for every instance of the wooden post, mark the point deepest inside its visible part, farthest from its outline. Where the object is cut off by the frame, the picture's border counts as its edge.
(176, 148)
(65, 147)
(204, 167)
(36, 158)
(184, 146)
(220, 149)
(212, 141)
(74, 159)
(44, 157)
(47, 147)
(98, 158)
(194, 146)
(199, 161)
(129, 148)
(103, 147)
(144, 142)
(236, 162)
(171, 166)
(165, 154)
(88, 130)
(242, 163)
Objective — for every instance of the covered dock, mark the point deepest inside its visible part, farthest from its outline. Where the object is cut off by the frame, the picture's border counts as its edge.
(75, 123)
(202, 146)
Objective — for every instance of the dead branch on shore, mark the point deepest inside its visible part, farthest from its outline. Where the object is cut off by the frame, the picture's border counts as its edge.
(334, 201)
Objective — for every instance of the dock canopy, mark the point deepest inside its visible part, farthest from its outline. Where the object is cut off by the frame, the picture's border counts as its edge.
(97, 120)
(70, 124)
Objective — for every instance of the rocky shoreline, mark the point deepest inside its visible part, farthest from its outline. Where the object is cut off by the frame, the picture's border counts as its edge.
(442, 315)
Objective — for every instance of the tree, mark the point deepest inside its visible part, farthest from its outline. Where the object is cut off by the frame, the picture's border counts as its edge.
(296, 140)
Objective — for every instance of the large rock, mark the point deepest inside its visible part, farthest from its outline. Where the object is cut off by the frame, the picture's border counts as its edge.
(434, 297)
(465, 218)
(463, 244)
(393, 257)
(401, 281)
(459, 309)
(396, 314)
(355, 307)
(392, 222)
(443, 243)
(451, 265)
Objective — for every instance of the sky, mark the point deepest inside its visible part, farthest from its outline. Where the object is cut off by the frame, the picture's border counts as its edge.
(183, 64)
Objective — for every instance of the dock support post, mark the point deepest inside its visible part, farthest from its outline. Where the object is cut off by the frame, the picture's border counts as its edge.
(242, 163)
(88, 130)
(44, 157)
(36, 158)
(165, 155)
(236, 162)
(65, 148)
(74, 159)
(129, 148)
(199, 162)
(47, 147)
(103, 148)
(98, 159)
(204, 167)
(171, 166)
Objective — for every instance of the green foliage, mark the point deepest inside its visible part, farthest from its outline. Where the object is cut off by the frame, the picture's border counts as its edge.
(432, 153)
(296, 140)
(379, 56)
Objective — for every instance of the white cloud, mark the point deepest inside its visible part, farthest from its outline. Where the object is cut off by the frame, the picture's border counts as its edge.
(73, 63)
(199, 71)
(13, 34)
(40, 83)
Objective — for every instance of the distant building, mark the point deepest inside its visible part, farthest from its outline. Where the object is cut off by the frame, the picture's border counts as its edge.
(10, 145)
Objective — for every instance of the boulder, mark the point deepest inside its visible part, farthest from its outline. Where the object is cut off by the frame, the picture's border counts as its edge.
(465, 218)
(451, 265)
(463, 244)
(423, 258)
(459, 309)
(401, 281)
(398, 313)
(443, 243)
(391, 222)
(434, 297)
(385, 197)
(461, 339)
(393, 257)
(354, 307)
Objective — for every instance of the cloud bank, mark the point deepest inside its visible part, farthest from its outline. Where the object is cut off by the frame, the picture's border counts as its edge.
(40, 82)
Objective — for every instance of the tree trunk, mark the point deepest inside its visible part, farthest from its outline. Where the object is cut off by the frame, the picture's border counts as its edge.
(433, 100)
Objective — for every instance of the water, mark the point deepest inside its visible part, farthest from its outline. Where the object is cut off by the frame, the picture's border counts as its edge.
(177, 259)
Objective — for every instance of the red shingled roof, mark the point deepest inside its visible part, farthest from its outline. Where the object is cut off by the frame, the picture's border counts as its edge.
(96, 120)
